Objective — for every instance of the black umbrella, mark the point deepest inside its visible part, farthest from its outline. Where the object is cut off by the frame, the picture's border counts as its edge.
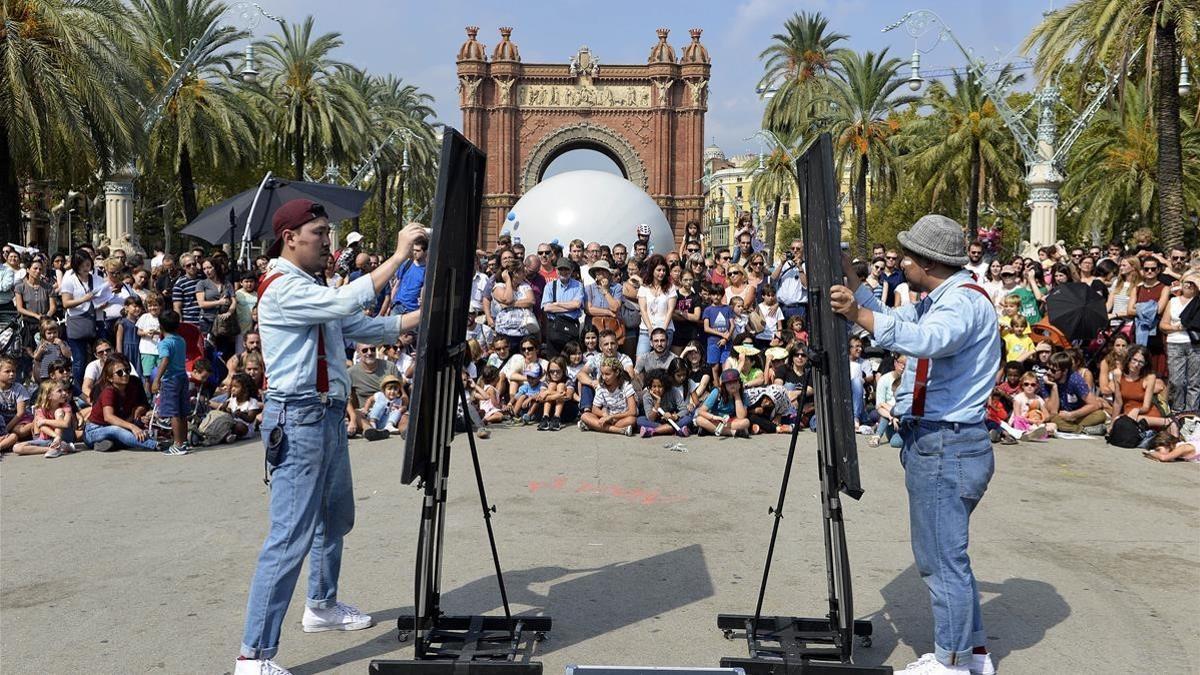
(225, 222)
(1076, 310)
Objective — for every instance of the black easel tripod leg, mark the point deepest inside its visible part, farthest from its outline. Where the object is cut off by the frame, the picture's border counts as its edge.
(483, 502)
(778, 511)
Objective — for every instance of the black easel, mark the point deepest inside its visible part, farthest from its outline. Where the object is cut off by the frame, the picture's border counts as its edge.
(457, 645)
(780, 645)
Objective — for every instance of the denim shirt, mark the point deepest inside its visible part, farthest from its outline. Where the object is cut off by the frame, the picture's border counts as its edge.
(958, 330)
(294, 307)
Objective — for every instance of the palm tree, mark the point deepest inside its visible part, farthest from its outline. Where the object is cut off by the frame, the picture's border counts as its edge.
(798, 63)
(1099, 32)
(962, 144)
(1114, 168)
(69, 95)
(320, 113)
(859, 117)
(207, 124)
(776, 180)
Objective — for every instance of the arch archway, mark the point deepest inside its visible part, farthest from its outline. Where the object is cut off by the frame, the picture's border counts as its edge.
(582, 136)
(648, 118)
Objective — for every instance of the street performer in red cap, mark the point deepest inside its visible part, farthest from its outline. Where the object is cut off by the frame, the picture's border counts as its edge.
(304, 325)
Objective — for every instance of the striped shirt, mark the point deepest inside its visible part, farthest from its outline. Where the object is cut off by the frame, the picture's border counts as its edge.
(185, 294)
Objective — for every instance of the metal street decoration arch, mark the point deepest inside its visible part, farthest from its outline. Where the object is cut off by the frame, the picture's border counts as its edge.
(649, 118)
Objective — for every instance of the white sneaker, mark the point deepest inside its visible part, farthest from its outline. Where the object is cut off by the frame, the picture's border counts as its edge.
(865, 430)
(981, 664)
(929, 665)
(258, 667)
(339, 617)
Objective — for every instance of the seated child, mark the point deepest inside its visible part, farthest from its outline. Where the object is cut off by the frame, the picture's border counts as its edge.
(614, 406)
(486, 394)
(386, 409)
(523, 404)
(1029, 412)
(723, 413)
(14, 406)
(554, 396)
(53, 422)
(243, 404)
(663, 408)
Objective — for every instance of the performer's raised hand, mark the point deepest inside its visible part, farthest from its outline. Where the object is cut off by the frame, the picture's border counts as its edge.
(843, 302)
(407, 236)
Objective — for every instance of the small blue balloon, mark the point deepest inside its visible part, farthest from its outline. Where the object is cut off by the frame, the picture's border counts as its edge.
(512, 216)
(554, 241)
(504, 233)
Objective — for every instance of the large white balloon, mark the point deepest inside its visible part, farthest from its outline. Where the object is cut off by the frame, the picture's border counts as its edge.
(588, 205)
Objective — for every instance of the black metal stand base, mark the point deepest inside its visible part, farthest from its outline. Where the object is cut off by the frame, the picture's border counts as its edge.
(785, 645)
(459, 645)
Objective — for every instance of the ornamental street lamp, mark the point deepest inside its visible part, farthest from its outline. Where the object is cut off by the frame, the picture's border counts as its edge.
(1045, 154)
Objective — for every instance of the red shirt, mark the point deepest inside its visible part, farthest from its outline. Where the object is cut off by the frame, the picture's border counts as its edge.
(123, 405)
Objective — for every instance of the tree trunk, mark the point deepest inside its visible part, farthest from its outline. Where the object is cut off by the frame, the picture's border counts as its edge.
(973, 197)
(772, 230)
(187, 185)
(10, 193)
(298, 142)
(1171, 209)
(860, 208)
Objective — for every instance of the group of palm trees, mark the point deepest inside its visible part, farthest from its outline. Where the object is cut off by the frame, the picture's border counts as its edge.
(84, 91)
(949, 151)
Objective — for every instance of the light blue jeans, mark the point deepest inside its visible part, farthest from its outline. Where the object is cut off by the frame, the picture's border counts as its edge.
(120, 437)
(381, 416)
(312, 509)
(946, 471)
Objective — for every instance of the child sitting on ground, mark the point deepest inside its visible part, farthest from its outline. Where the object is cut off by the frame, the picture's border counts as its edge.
(385, 409)
(555, 396)
(1029, 412)
(614, 407)
(53, 423)
(243, 404)
(723, 413)
(487, 395)
(14, 406)
(664, 411)
(523, 405)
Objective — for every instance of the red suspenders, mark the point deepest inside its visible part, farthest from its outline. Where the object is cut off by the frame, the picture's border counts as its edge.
(922, 381)
(322, 363)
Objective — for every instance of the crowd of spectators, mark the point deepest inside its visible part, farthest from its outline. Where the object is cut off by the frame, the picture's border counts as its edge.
(162, 353)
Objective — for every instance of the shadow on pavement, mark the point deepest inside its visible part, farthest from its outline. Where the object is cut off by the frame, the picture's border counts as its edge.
(1017, 613)
(583, 602)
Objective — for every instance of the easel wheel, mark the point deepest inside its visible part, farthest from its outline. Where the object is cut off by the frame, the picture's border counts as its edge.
(402, 636)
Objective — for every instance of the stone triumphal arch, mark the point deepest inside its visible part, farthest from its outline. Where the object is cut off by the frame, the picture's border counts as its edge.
(648, 118)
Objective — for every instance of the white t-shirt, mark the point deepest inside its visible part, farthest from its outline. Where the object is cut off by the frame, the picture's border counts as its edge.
(148, 344)
(771, 315)
(72, 285)
(979, 270)
(1175, 308)
(860, 369)
(658, 306)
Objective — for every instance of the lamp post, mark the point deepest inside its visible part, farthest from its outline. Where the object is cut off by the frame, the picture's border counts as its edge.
(1044, 152)
(118, 188)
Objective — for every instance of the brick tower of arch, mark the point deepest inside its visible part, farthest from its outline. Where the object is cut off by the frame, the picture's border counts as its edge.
(648, 118)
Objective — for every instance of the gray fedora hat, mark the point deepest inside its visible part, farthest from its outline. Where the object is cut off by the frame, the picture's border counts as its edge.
(938, 238)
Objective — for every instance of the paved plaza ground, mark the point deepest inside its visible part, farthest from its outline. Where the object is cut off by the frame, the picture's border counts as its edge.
(1088, 556)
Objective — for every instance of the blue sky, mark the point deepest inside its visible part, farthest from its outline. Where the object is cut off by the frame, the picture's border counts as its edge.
(418, 40)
